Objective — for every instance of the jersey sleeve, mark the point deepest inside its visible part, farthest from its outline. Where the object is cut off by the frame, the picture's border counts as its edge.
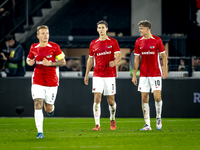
(91, 53)
(161, 48)
(137, 50)
(30, 55)
(116, 47)
(58, 53)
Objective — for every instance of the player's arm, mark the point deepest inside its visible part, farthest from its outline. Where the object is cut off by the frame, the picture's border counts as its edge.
(90, 63)
(165, 67)
(61, 61)
(58, 63)
(136, 65)
(117, 59)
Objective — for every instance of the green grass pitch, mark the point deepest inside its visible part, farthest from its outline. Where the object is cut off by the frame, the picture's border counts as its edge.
(76, 133)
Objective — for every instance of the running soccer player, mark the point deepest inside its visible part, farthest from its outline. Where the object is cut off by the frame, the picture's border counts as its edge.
(46, 56)
(106, 53)
(149, 47)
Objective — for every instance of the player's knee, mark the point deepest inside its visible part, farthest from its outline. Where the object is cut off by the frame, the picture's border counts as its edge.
(38, 104)
(97, 98)
(145, 99)
(157, 99)
(111, 101)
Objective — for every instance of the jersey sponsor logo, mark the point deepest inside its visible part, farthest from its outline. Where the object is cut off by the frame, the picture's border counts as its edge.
(148, 53)
(39, 62)
(49, 56)
(104, 53)
(152, 47)
(110, 46)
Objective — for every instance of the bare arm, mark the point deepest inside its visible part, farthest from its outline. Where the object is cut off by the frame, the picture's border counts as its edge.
(136, 65)
(59, 63)
(90, 63)
(165, 67)
(117, 59)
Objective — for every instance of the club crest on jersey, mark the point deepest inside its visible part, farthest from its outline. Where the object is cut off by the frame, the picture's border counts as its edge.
(152, 47)
(49, 56)
(110, 46)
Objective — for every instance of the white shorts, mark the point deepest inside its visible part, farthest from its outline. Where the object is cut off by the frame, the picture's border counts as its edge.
(44, 92)
(147, 83)
(107, 86)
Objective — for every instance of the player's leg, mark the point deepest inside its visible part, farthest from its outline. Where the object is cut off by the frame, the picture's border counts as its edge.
(112, 109)
(97, 110)
(156, 88)
(158, 105)
(97, 89)
(49, 109)
(146, 110)
(38, 105)
(110, 91)
(144, 88)
(38, 95)
(50, 98)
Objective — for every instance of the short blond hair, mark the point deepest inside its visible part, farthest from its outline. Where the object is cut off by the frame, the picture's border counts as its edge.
(41, 27)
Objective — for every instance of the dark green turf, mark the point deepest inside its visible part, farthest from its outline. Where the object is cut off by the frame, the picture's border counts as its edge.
(76, 133)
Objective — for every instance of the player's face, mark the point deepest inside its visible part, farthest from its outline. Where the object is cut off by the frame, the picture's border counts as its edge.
(43, 35)
(10, 42)
(102, 29)
(143, 30)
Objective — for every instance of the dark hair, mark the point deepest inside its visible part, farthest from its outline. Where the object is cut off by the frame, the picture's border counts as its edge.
(41, 27)
(102, 22)
(10, 37)
(145, 23)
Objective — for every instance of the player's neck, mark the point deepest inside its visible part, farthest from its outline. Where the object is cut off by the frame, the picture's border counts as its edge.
(43, 44)
(103, 37)
(147, 36)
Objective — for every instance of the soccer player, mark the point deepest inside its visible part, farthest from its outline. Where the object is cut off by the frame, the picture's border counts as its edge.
(149, 47)
(106, 53)
(46, 56)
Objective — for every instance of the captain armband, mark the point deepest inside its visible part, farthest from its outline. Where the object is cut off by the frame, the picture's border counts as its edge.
(61, 56)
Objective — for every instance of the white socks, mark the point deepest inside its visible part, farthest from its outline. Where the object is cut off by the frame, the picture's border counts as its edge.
(145, 110)
(158, 106)
(112, 112)
(39, 120)
(97, 113)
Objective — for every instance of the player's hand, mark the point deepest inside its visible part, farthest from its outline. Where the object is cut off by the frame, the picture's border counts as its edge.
(134, 80)
(165, 74)
(3, 56)
(46, 62)
(112, 63)
(86, 79)
(31, 62)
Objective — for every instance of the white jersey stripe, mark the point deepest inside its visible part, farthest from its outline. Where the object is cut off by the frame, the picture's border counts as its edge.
(159, 64)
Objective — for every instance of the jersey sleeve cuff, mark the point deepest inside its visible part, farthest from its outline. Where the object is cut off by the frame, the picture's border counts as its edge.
(136, 54)
(117, 52)
(162, 52)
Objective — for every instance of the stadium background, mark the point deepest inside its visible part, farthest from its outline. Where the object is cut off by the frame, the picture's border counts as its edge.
(72, 24)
